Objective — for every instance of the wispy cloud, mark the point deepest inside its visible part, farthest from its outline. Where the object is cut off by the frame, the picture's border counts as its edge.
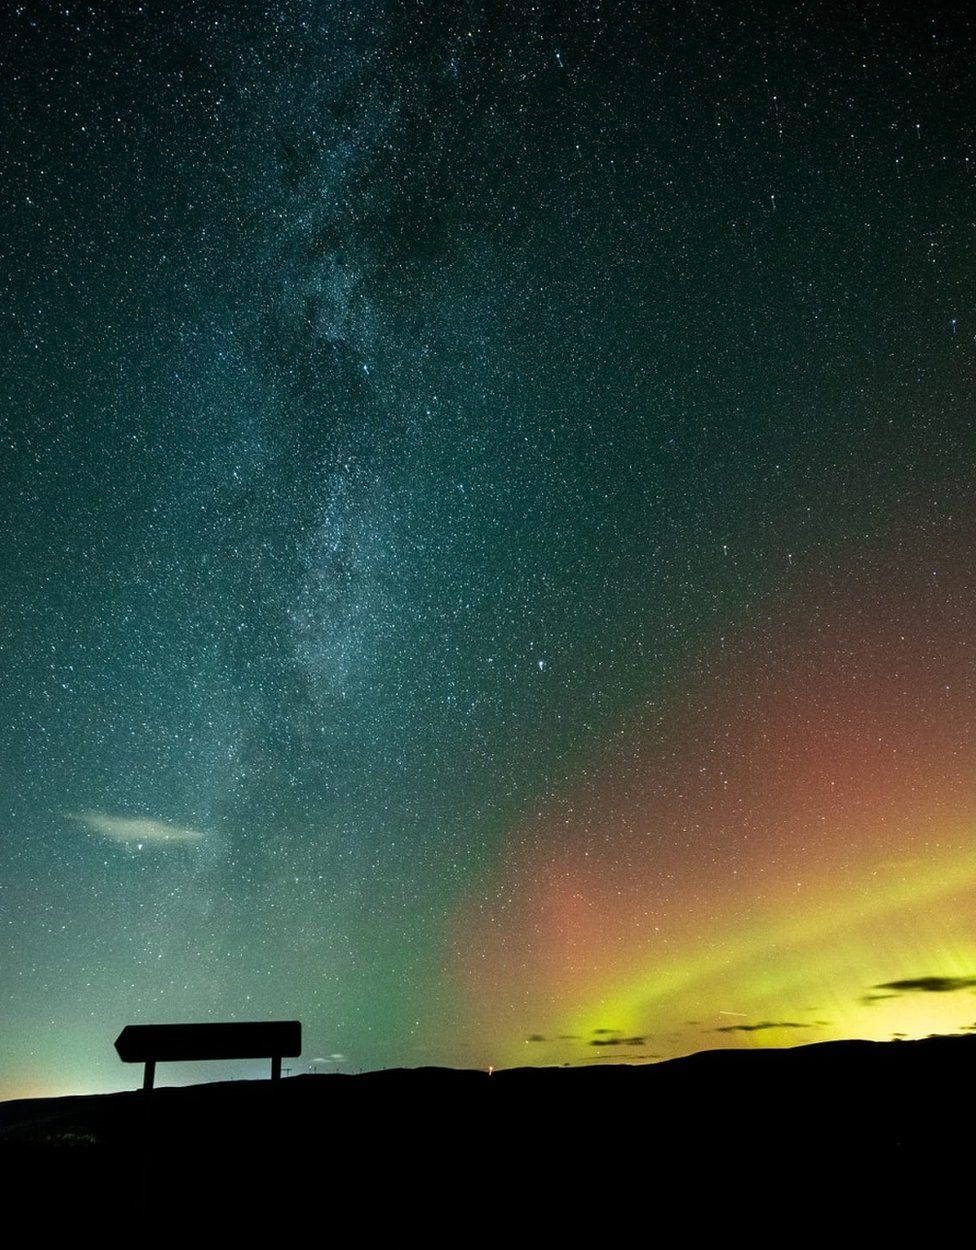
(136, 830)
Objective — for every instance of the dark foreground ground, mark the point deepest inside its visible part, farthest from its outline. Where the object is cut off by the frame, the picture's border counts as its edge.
(719, 1136)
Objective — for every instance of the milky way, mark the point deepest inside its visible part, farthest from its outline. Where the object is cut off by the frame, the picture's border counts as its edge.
(488, 505)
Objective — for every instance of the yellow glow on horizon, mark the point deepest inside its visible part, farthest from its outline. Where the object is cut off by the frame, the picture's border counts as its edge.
(811, 964)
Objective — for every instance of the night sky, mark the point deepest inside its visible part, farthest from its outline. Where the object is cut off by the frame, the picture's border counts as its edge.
(488, 523)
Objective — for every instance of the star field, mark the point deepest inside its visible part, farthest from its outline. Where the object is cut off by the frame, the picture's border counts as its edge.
(488, 508)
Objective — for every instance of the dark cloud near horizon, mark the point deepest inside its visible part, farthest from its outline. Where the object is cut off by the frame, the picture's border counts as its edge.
(598, 1032)
(761, 1025)
(927, 985)
(618, 1041)
(535, 1037)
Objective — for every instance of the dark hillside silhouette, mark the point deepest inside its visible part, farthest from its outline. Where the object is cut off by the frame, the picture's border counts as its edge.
(870, 1116)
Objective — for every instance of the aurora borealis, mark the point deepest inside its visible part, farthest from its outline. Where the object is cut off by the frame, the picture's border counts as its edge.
(821, 770)
(489, 513)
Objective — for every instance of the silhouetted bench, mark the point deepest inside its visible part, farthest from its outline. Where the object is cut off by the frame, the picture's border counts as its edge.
(154, 1043)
